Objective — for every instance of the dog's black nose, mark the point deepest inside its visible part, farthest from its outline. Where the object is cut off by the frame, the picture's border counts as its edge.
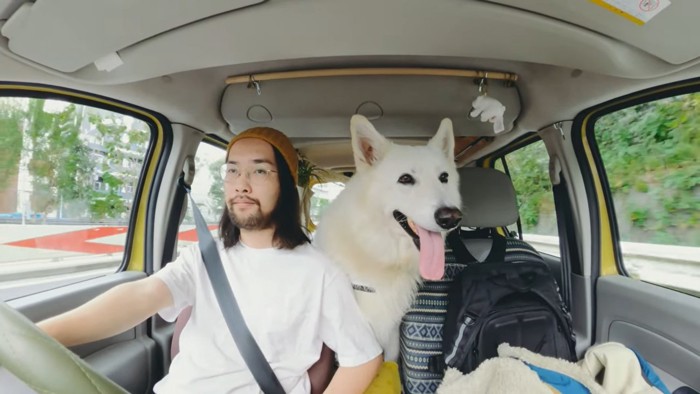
(448, 218)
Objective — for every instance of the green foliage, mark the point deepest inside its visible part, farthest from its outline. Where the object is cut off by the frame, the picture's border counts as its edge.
(653, 149)
(216, 189)
(651, 154)
(11, 116)
(529, 171)
(107, 204)
(74, 172)
(639, 217)
(309, 172)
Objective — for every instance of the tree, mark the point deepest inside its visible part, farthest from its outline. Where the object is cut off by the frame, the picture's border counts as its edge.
(11, 128)
(83, 162)
(530, 169)
(81, 159)
(59, 165)
(119, 163)
(216, 190)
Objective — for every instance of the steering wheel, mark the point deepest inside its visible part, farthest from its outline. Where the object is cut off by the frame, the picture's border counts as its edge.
(43, 364)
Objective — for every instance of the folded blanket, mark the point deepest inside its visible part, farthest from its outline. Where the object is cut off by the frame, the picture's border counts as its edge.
(619, 370)
(495, 375)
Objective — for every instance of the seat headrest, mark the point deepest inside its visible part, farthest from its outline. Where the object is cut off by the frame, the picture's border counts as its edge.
(488, 198)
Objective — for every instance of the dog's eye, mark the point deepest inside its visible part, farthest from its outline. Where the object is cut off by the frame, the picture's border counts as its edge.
(406, 179)
(443, 177)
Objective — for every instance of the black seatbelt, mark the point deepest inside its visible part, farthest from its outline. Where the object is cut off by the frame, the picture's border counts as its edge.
(174, 224)
(251, 353)
(568, 247)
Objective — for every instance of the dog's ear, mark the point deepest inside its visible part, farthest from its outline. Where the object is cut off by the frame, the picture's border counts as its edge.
(368, 146)
(444, 139)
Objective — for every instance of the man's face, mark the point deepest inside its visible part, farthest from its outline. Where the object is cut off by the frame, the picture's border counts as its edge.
(251, 185)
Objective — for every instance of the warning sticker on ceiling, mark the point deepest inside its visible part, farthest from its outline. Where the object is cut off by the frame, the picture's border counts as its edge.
(637, 11)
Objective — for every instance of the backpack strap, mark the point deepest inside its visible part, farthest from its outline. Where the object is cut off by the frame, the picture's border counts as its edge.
(460, 251)
(498, 250)
(497, 254)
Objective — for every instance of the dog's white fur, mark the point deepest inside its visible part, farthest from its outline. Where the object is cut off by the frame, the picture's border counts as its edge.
(358, 230)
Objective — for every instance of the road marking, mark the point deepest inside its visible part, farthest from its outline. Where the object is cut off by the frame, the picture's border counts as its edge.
(76, 241)
(84, 241)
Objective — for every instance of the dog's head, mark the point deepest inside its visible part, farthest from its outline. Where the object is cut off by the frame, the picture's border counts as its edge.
(416, 186)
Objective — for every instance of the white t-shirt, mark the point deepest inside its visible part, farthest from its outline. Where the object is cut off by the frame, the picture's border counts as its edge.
(293, 301)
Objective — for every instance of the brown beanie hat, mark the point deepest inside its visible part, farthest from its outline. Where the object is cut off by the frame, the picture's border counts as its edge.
(275, 138)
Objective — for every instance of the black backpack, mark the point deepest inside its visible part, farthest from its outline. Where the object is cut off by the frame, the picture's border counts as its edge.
(495, 302)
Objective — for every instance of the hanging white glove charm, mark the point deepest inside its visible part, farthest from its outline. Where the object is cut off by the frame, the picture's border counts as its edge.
(491, 110)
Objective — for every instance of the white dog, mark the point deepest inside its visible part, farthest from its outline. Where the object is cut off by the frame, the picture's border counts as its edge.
(385, 229)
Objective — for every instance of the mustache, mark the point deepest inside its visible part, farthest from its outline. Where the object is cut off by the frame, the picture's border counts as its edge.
(243, 199)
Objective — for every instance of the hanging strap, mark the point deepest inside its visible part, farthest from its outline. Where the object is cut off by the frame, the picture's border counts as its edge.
(251, 353)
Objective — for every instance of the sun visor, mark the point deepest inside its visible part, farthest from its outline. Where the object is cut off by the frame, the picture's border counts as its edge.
(662, 28)
(400, 106)
(68, 35)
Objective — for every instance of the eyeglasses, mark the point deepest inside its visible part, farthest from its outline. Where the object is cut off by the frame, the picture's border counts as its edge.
(260, 174)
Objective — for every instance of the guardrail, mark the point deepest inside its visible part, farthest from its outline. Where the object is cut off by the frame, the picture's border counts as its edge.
(666, 265)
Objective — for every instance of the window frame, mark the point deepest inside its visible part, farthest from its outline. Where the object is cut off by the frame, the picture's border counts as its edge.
(138, 247)
(173, 225)
(606, 242)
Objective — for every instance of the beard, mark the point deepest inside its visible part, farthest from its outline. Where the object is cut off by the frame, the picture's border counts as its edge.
(252, 221)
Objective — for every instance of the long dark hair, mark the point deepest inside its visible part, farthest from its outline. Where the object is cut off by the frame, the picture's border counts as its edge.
(286, 216)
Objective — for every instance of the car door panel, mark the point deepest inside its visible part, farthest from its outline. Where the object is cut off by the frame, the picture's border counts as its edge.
(128, 363)
(129, 358)
(660, 323)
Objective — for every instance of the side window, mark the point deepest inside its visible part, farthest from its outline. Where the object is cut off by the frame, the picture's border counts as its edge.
(207, 191)
(323, 195)
(651, 156)
(529, 169)
(68, 177)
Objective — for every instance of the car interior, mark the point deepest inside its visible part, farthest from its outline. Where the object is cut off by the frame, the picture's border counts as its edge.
(195, 74)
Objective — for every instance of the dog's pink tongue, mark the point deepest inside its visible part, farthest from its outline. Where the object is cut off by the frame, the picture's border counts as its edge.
(432, 254)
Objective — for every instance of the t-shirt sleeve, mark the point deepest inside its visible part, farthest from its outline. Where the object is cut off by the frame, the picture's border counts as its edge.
(179, 277)
(343, 327)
